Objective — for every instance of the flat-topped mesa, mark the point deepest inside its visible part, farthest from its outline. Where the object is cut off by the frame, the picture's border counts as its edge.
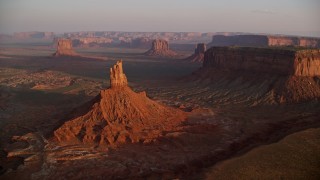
(264, 60)
(160, 47)
(117, 77)
(64, 48)
(264, 41)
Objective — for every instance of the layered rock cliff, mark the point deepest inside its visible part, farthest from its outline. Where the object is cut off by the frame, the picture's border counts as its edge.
(264, 41)
(160, 48)
(64, 48)
(118, 116)
(265, 60)
(279, 75)
(33, 35)
(198, 55)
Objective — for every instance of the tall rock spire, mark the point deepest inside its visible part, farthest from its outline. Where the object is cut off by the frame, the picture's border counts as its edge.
(117, 77)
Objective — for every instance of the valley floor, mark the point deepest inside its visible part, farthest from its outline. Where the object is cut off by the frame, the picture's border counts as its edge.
(225, 118)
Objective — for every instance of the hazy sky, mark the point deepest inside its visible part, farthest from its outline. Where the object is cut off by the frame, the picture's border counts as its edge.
(300, 17)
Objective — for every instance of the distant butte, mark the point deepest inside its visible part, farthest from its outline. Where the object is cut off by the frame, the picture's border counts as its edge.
(264, 41)
(118, 116)
(64, 48)
(160, 47)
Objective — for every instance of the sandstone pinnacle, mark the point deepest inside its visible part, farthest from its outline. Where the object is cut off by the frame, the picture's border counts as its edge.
(117, 77)
(119, 115)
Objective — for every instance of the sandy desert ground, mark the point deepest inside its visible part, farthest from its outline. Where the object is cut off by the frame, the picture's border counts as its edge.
(227, 117)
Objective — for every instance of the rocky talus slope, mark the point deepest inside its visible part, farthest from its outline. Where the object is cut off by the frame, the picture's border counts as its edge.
(119, 116)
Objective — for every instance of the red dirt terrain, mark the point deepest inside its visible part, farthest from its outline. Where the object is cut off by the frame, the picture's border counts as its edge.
(121, 134)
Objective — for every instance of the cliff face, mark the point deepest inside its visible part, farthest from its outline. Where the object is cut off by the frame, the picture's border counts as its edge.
(276, 75)
(307, 63)
(64, 48)
(119, 116)
(198, 55)
(263, 41)
(274, 61)
(282, 41)
(239, 40)
(33, 35)
(160, 47)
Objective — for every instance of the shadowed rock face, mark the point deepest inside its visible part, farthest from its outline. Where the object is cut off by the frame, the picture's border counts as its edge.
(200, 49)
(291, 76)
(274, 61)
(160, 47)
(198, 55)
(119, 116)
(264, 41)
(64, 48)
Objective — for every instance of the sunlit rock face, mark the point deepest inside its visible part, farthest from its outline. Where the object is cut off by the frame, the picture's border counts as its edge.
(119, 115)
(117, 77)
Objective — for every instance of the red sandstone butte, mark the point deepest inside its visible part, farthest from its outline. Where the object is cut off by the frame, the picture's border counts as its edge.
(119, 116)
(160, 48)
(64, 48)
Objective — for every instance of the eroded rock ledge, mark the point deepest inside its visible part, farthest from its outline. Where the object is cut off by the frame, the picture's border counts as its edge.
(264, 60)
(264, 41)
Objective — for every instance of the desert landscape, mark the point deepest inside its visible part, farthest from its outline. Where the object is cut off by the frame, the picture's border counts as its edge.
(159, 104)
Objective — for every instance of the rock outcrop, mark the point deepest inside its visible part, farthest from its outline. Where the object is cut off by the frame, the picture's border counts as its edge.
(198, 55)
(118, 116)
(160, 48)
(117, 78)
(33, 35)
(92, 42)
(64, 48)
(282, 75)
(265, 60)
(264, 41)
